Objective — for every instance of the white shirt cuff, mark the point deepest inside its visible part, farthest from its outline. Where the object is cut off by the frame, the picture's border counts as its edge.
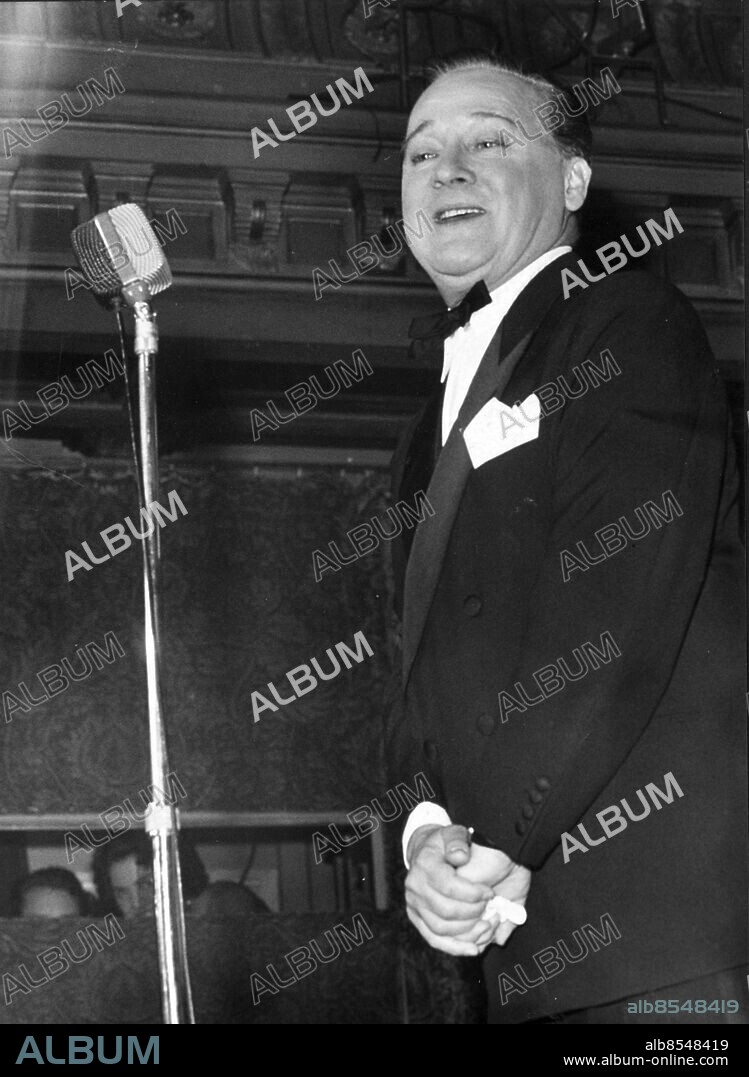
(424, 814)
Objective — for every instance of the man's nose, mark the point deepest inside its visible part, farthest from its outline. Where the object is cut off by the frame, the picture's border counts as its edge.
(452, 168)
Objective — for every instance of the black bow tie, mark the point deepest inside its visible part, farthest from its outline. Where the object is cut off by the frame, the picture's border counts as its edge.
(441, 325)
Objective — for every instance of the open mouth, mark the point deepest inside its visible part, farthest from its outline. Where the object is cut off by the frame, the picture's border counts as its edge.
(457, 213)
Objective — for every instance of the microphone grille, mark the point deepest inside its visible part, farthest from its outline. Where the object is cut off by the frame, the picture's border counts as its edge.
(93, 258)
(142, 246)
(119, 247)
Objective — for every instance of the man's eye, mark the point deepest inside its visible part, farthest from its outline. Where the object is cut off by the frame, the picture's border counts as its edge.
(491, 142)
(417, 158)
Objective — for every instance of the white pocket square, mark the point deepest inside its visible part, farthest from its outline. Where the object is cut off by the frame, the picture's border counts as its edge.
(498, 427)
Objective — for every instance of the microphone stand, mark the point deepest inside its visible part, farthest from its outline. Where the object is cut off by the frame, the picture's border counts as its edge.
(162, 820)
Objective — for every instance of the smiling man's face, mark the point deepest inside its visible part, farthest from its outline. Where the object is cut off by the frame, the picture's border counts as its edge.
(492, 208)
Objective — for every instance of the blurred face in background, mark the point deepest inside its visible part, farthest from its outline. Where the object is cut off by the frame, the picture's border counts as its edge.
(132, 886)
(50, 902)
(494, 201)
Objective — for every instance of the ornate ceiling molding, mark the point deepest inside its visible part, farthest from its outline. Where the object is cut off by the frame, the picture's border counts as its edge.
(696, 42)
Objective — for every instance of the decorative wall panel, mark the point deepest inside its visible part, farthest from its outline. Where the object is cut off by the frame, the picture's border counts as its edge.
(241, 608)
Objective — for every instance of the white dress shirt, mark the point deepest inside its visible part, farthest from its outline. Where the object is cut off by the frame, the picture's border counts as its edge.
(465, 349)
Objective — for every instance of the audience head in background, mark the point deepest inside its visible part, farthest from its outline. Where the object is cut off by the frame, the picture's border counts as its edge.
(123, 873)
(225, 898)
(51, 892)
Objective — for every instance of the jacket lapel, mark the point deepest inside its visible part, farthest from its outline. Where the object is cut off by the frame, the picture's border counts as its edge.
(411, 472)
(444, 494)
(453, 466)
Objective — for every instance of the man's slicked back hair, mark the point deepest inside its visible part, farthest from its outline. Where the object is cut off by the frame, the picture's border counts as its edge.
(573, 137)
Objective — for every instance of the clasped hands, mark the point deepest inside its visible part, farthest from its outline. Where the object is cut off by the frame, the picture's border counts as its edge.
(449, 884)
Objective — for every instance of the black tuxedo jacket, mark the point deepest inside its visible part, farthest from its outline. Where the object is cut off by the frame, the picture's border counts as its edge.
(539, 692)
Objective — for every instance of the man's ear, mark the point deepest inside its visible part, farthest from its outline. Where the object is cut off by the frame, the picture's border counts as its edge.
(576, 180)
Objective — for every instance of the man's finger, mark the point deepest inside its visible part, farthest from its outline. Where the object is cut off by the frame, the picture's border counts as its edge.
(456, 845)
(421, 892)
(444, 943)
(429, 869)
(481, 934)
(442, 925)
(484, 931)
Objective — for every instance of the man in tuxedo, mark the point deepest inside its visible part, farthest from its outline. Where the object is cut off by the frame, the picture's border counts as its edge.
(572, 611)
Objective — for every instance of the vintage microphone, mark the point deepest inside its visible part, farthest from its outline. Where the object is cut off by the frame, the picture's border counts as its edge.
(121, 258)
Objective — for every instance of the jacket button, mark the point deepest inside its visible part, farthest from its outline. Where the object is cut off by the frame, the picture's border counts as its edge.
(430, 750)
(543, 784)
(528, 812)
(535, 796)
(472, 605)
(520, 828)
(486, 724)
